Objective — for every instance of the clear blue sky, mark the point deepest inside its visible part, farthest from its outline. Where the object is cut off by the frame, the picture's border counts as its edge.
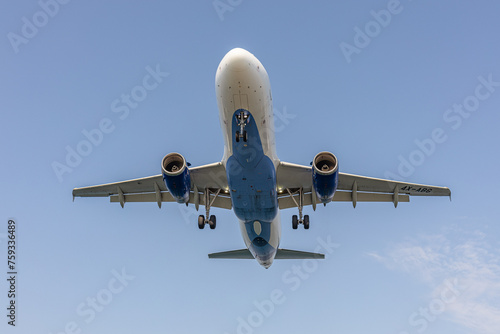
(429, 266)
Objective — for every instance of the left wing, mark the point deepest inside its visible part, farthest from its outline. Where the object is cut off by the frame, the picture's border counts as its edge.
(153, 188)
(351, 188)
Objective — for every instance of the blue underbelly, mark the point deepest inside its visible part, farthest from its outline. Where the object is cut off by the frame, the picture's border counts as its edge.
(253, 190)
(251, 176)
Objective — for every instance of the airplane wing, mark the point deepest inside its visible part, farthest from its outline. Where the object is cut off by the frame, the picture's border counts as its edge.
(153, 188)
(351, 188)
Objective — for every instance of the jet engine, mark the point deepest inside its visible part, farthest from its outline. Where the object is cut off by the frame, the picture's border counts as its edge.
(325, 174)
(176, 176)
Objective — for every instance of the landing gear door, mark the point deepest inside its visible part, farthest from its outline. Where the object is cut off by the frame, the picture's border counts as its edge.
(240, 101)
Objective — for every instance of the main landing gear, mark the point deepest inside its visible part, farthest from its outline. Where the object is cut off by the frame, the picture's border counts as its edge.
(296, 222)
(299, 220)
(208, 203)
(202, 221)
(242, 122)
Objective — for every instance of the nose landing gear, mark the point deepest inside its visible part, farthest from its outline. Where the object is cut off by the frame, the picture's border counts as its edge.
(242, 119)
(241, 135)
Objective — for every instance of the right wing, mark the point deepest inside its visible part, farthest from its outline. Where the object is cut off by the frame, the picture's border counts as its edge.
(351, 188)
(153, 188)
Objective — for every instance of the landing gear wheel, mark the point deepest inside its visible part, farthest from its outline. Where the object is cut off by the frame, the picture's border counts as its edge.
(201, 222)
(295, 222)
(245, 136)
(212, 222)
(306, 222)
(238, 136)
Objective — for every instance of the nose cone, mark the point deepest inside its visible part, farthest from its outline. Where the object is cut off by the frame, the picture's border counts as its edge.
(238, 60)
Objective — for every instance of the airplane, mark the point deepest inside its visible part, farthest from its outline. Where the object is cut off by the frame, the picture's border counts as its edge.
(251, 179)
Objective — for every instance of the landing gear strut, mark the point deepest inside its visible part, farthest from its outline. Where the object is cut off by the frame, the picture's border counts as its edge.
(242, 122)
(299, 220)
(202, 220)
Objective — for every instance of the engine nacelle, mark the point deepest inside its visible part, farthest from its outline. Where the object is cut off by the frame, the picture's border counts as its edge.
(176, 176)
(325, 174)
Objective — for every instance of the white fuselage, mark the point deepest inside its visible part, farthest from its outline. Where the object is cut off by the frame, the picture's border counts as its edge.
(242, 83)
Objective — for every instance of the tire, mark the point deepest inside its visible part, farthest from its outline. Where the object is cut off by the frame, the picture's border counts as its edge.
(237, 136)
(201, 222)
(245, 136)
(212, 221)
(295, 222)
(306, 222)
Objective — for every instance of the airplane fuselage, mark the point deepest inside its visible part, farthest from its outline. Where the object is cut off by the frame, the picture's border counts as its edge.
(246, 115)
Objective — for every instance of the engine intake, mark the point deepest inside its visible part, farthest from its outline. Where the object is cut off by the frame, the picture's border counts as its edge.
(325, 174)
(176, 176)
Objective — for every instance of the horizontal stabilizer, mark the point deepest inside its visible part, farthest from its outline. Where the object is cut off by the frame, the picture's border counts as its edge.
(293, 254)
(282, 254)
(234, 254)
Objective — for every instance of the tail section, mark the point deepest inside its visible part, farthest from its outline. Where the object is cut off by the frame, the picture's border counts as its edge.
(282, 254)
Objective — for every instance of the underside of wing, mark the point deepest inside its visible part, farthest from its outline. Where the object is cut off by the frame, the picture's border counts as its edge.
(142, 185)
(293, 176)
(370, 184)
(295, 185)
(208, 182)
